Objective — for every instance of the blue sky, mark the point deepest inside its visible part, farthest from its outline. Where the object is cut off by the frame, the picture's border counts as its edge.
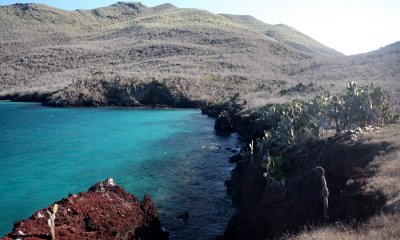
(349, 26)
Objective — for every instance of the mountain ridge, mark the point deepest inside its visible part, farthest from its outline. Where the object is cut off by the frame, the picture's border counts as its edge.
(281, 33)
(194, 53)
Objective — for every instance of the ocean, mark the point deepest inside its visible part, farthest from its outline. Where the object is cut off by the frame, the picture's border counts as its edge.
(171, 154)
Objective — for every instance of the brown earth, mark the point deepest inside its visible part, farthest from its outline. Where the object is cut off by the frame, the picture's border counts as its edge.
(106, 211)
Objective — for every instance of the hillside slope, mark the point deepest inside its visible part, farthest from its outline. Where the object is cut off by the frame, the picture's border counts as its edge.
(285, 34)
(88, 57)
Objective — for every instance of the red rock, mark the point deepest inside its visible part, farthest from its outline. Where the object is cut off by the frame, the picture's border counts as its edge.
(106, 211)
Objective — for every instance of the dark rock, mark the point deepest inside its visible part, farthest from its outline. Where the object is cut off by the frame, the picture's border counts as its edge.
(119, 94)
(231, 106)
(235, 158)
(106, 211)
(212, 110)
(26, 97)
(184, 216)
(269, 209)
(229, 186)
(89, 225)
(224, 123)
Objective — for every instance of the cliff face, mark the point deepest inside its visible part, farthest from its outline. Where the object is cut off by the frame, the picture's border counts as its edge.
(106, 211)
(269, 211)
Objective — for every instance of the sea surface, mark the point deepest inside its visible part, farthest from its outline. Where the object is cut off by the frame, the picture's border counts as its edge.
(174, 155)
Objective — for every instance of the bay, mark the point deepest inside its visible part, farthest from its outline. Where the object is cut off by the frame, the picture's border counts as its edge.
(173, 155)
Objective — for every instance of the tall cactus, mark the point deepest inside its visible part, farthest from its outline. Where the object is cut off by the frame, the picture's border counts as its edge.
(251, 146)
(51, 216)
(325, 192)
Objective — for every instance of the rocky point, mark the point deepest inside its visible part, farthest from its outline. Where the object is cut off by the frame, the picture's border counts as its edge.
(106, 211)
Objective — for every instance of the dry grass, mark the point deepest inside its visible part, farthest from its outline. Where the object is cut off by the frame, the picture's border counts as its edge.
(387, 178)
(385, 226)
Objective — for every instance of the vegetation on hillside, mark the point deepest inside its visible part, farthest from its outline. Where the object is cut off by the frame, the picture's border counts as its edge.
(297, 121)
(117, 91)
(204, 56)
(275, 176)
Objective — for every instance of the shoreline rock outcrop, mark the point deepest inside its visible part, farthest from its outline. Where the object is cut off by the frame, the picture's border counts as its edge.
(106, 211)
(117, 93)
(269, 211)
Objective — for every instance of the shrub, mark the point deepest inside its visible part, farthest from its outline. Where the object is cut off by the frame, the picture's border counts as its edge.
(298, 121)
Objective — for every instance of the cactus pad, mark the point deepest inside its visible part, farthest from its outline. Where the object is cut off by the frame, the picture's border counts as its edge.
(47, 214)
(55, 208)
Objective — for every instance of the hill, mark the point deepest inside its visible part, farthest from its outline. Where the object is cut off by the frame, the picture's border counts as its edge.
(285, 34)
(126, 53)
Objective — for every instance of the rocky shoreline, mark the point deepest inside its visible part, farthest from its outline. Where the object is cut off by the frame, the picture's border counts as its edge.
(268, 211)
(105, 211)
(153, 94)
(262, 212)
(285, 208)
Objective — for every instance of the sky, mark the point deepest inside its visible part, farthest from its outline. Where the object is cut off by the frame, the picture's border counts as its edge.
(348, 26)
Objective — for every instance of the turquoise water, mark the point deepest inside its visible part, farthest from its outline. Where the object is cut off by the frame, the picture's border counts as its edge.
(173, 155)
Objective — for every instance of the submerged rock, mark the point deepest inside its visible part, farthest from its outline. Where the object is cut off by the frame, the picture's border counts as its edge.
(235, 158)
(183, 216)
(106, 211)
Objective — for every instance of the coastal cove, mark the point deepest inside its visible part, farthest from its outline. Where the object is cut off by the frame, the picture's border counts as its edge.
(173, 155)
